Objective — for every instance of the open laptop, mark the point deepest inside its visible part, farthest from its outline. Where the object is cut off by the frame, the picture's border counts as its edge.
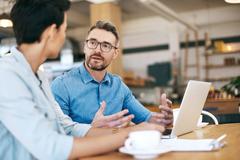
(190, 109)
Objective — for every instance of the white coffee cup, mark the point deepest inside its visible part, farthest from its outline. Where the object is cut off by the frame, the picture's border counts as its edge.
(143, 140)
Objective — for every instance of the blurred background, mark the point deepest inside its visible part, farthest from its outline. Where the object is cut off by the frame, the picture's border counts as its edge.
(164, 43)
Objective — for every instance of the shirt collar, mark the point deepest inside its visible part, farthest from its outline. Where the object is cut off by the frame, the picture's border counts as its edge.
(22, 61)
(86, 76)
(106, 79)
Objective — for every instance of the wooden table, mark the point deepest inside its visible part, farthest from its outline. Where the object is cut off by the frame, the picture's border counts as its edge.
(230, 152)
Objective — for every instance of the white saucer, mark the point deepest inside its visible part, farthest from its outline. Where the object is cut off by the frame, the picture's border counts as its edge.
(145, 154)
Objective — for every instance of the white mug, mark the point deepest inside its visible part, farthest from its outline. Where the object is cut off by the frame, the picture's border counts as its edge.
(143, 140)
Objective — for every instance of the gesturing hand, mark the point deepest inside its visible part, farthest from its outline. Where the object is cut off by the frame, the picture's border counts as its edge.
(115, 120)
(165, 116)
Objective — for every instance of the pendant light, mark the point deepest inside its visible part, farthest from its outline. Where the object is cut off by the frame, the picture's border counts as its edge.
(232, 1)
(5, 21)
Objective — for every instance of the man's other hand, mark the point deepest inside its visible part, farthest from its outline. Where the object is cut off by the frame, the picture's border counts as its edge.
(165, 116)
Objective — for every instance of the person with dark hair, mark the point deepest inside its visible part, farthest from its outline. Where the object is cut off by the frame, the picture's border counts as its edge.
(80, 91)
(32, 125)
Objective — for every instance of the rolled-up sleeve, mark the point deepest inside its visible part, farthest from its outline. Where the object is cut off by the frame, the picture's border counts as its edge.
(29, 124)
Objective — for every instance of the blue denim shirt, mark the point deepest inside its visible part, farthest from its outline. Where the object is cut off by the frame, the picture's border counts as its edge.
(79, 96)
(29, 127)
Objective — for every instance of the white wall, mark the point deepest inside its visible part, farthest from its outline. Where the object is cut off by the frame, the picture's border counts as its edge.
(144, 33)
(218, 22)
(139, 62)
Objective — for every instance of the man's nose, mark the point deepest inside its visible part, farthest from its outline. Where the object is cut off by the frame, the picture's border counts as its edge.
(98, 49)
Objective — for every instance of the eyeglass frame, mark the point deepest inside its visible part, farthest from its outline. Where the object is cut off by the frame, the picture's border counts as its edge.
(112, 46)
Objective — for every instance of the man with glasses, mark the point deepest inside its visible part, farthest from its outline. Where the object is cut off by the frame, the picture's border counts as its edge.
(32, 125)
(82, 90)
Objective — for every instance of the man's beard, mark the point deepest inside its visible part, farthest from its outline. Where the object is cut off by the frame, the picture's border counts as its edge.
(96, 67)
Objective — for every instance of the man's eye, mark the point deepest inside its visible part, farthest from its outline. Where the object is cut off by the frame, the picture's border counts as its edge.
(105, 45)
(92, 42)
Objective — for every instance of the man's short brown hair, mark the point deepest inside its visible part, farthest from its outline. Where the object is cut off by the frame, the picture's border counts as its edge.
(107, 26)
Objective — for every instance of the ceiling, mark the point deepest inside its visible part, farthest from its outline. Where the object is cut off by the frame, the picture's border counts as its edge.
(190, 5)
(131, 9)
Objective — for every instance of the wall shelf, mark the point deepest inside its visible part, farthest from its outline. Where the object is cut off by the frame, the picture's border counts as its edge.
(215, 61)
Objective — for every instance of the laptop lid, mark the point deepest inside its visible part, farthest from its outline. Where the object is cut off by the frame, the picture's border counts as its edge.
(191, 107)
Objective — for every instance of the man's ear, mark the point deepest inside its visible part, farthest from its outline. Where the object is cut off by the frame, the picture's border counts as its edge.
(49, 32)
(84, 47)
(117, 51)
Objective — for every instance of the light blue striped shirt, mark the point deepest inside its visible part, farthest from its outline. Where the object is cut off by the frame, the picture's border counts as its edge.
(31, 127)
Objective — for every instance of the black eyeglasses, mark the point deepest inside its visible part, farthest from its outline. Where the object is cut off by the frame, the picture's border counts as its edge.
(104, 46)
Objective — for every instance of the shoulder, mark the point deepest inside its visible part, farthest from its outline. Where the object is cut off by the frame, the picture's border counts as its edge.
(117, 80)
(66, 76)
(9, 64)
(7, 59)
(13, 77)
